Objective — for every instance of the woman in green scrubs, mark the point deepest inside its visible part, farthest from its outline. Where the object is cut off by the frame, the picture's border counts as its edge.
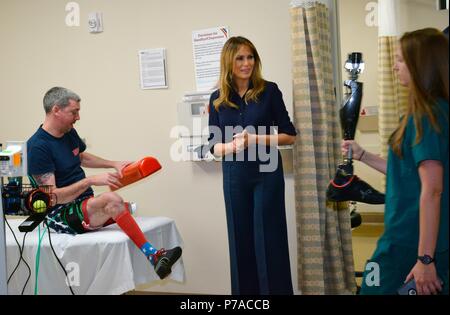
(415, 242)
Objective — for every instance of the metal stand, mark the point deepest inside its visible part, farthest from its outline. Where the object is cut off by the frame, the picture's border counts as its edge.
(3, 270)
(13, 164)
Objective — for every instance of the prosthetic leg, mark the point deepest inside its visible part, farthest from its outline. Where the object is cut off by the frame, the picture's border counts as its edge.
(346, 186)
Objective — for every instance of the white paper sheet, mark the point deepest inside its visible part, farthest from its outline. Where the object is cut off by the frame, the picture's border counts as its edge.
(152, 64)
(207, 46)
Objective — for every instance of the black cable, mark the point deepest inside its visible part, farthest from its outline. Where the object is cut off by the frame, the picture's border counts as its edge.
(29, 269)
(54, 253)
(18, 245)
(21, 249)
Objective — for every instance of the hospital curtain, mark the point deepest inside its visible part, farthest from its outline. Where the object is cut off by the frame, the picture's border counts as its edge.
(324, 244)
(392, 96)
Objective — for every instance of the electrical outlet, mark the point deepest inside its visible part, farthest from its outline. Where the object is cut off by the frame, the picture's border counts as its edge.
(95, 22)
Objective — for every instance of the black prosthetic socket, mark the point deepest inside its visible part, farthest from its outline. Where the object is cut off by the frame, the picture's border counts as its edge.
(349, 113)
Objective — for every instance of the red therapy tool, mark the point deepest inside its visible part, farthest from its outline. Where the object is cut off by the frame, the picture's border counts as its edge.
(139, 170)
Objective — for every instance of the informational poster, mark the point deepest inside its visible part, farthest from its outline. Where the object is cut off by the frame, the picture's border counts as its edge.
(152, 64)
(207, 46)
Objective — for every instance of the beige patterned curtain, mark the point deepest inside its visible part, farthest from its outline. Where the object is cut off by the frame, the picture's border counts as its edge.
(392, 96)
(324, 244)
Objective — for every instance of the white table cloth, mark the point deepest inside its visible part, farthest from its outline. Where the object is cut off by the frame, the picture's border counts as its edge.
(101, 262)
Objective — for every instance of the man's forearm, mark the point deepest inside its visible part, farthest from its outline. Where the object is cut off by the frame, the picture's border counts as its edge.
(70, 193)
(92, 161)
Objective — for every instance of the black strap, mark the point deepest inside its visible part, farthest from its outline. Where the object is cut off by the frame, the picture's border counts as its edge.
(72, 218)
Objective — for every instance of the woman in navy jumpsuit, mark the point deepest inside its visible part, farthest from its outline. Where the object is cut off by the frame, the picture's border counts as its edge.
(243, 115)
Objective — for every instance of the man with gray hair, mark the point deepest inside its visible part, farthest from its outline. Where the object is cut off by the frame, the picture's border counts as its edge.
(56, 155)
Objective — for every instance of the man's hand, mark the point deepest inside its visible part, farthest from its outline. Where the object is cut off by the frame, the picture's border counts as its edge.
(106, 179)
(119, 165)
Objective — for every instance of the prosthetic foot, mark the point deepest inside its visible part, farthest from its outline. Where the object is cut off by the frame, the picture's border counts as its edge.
(352, 188)
(163, 261)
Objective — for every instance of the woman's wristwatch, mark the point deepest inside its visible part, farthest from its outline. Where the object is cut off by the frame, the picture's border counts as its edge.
(426, 259)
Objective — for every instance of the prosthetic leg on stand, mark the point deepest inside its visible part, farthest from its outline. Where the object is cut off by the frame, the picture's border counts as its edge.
(346, 186)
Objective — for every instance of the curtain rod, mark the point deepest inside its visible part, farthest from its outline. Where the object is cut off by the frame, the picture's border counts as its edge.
(306, 3)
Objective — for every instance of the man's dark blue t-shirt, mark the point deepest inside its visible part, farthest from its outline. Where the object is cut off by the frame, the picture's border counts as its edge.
(61, 156)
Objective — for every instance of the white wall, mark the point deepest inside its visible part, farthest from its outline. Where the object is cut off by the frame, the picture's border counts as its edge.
(417, 14)
(357, 35)
(121, 121)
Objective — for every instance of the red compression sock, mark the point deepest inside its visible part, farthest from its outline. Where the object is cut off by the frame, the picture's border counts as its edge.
(127, 223)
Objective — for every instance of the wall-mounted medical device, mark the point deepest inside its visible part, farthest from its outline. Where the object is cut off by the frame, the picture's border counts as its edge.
(193, 126)
(13, 166)
(13, 159)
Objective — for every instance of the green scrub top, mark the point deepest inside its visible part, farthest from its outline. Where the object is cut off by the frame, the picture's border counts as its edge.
(403, 185)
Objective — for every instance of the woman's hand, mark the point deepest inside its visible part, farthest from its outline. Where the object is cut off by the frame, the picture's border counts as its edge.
(242, 140)
(356, 149)
(425, 276)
